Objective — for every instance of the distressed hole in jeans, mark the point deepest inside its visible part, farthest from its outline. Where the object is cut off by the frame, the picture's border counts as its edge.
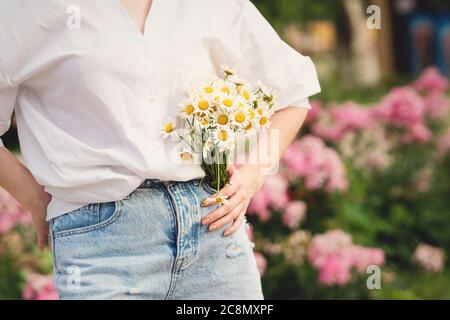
(233, 250)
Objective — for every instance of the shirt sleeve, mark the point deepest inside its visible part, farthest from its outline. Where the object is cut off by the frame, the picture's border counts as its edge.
(8, 94)
(268, 58)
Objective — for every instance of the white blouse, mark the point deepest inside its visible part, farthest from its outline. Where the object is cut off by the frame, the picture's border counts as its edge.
(90, 91)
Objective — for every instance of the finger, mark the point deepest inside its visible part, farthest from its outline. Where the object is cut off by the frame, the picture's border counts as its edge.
(42, 241)
(227, 218)
(222, 210)
(236, 224)
(42, 235)
(228, 190)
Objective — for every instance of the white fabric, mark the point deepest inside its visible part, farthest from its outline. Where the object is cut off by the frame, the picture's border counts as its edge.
(90, 102)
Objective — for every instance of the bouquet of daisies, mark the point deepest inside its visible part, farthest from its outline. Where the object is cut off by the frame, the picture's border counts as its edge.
(212, 115)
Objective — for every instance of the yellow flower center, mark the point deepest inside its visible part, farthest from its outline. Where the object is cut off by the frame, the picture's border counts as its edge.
(203, 105)
(204, 121)
(189, 109)
(209, 90)
(263, 121)
(251, 113)
(228, 102)
(168, 128)
(186, 156)
(249, 126)
(246, 95)
(222, 119)
(219, 200)
(223, 135)
(260, 111)
(239, 117)
(225, 90)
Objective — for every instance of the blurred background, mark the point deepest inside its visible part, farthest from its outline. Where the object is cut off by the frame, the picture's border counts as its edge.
(361, 206)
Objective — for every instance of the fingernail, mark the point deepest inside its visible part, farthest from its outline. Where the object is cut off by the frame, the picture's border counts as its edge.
(212, 227)
(226, 233)
(205, 221)
(203, 203)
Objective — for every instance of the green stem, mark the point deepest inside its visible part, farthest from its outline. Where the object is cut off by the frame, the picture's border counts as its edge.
(218, 172)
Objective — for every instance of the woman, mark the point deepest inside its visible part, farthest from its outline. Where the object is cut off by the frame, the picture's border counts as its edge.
(91, 84)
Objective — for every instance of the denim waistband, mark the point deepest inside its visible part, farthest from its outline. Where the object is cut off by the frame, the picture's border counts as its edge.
(148, 183)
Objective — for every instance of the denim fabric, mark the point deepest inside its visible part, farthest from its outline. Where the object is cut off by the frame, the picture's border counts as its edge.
(151, 245)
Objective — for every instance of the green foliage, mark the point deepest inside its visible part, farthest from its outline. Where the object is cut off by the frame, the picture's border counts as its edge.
(10, 278)
(280, 12)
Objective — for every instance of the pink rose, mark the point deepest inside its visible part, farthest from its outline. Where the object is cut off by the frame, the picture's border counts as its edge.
(334, 270)
(39, 287)
(294, 214)
(317, 165)
(431, 80)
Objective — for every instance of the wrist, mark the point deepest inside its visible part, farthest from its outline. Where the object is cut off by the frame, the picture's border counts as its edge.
(254, 173)
(36, 199)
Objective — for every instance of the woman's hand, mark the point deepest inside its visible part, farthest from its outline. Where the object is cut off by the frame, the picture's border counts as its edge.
(244, 182)
(16, 179)
(37, 206)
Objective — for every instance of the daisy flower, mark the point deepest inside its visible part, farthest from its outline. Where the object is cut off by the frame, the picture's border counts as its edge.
(227, 101)
(188, 157)
(263, 114)
(168, 129)
(246, 93)
(225, 87)
(220, 200)
(187, 109)
(221, 118)
(204, 121)
(207, 89)
(240, 118)
(202, 105)
(252, 126)
(223, 139)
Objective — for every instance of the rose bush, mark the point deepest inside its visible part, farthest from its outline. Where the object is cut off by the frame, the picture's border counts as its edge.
(373, 183)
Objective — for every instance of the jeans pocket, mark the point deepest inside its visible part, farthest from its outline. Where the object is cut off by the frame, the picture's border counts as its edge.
(208, 189)
(85, 219)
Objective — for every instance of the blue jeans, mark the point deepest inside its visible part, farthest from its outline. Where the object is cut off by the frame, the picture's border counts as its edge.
(151, 245)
